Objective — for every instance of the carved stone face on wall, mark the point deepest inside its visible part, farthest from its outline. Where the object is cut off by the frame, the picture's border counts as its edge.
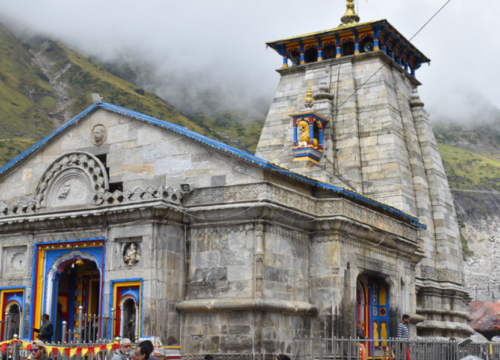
(98, 134)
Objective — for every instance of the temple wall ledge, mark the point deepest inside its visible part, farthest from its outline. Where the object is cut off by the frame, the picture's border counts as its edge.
(445, 325)
(278, 306)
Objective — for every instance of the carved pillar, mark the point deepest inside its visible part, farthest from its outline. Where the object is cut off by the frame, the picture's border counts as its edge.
(259, 259)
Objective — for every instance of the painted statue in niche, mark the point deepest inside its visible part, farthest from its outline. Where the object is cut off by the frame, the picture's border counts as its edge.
(98, 134)
(131, 256)
(305, 136)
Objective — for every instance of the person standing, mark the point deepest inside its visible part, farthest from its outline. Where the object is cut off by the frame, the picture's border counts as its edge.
(404, 333)
(360, 334)
(123, 353)
(46, 330)
(38, 350)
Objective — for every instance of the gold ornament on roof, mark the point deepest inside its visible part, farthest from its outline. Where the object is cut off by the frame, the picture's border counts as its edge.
(309, 98)
(350, 17)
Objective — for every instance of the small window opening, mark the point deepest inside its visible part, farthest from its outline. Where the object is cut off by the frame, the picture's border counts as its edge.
(311, 55)
(115, 186)
(294, 56)
(348, 48)
(329, 51)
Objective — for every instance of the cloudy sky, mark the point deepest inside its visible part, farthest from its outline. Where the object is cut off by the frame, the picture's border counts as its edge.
(221, 42)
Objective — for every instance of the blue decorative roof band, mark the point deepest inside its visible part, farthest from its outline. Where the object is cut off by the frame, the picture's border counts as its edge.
(178, 129)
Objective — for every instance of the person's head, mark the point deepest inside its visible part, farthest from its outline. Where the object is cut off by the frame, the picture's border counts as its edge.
(137, 352)
(282, 357)
(125, 345)
(144, 352)
(37, 349)
(406, 319)
(360, 323)
(45, 317)
(148, 344)
(453, 339)
(209, 357)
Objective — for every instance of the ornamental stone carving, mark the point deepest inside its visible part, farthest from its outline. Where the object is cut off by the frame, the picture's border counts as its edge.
(14, 259)
(73, 179)
(99, 134)
(131, 255)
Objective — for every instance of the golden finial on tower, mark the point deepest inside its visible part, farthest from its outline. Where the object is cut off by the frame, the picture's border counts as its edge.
(309, 98)
(350, 17)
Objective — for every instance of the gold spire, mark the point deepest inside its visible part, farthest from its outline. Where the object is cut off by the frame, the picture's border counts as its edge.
(309, 98)
(350, 17)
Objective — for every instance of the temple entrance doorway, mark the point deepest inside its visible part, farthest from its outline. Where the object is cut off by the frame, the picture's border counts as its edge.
(372, 308)
(77, 283)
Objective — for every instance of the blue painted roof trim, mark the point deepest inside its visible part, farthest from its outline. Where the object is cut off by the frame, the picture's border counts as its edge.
(217, 145)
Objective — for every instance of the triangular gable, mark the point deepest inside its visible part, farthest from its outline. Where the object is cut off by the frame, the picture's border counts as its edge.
(181, 130)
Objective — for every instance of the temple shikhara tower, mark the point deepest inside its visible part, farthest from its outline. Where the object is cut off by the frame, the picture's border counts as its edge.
(355, 86)
(343, 214)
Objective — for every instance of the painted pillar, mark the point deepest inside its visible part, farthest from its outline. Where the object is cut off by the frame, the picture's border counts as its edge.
(356, 42)
(320, 141)
(406, 66)
(311, 131)
(320, 50)
(337, 46)
(302, 57)
(393, 50)
(282, 51)
(294, 132)
(376, 37)
(413, 71)
(384, 48)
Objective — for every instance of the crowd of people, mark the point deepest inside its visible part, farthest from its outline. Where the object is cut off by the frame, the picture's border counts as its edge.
(147, 351)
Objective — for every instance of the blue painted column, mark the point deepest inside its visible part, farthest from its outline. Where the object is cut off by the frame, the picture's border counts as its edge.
(337, 46)
(320, 50)
(302, 57)
(384, 48)
(294, 132)
(413, 71)
(356, 42)
(376, 37)
(320, 142)
(285, 61)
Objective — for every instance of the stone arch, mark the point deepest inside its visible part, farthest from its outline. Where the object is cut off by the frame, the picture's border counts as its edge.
(54, 268)
(126, 304)
(81, 165)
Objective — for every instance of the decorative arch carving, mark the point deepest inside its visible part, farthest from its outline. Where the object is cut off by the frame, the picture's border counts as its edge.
(79, 169)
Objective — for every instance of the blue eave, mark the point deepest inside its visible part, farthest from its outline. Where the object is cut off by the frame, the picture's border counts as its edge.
(178, 129)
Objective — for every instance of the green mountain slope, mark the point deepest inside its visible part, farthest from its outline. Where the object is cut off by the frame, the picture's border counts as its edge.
(24, 94)
(44, 83)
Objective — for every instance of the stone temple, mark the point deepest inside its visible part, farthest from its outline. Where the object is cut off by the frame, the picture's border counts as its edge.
(343, 214)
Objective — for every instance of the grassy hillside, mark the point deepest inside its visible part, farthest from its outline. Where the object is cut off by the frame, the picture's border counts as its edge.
(24, 94)
(44, 83)
(468, 170)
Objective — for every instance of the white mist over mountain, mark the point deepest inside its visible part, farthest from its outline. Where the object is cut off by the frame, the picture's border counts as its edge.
(199, 44)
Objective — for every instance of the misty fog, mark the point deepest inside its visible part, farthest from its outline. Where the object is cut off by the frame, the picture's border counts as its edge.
(220, 44)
